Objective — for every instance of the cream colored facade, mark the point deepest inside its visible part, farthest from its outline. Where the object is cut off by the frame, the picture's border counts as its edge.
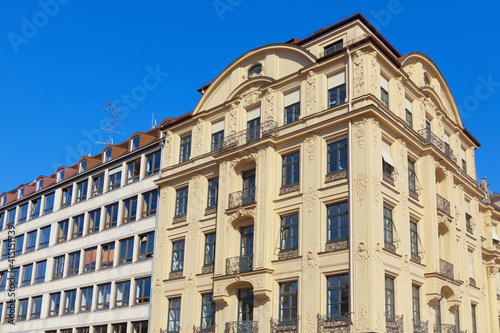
(455, 265)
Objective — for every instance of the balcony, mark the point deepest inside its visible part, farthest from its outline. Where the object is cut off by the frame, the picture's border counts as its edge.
(416, 258)
(198, 329)
(420, 326)
(334, 324)
(239, 264)
(388, 177)
(242, 198)
(334, 246)
(266, 129)
(179, 219)
(285, 326)
(447, 328)
(333, 176)
(288, 254)
(443, 205)
(394, 324)
(430, 138)
(244, 326)
(446, 269)
(289, 188)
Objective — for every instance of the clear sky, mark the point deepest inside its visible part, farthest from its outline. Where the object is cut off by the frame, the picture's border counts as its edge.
(62, 60)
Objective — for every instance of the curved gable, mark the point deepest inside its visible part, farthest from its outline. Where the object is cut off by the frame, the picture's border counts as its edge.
(417, 65)
(277, 61)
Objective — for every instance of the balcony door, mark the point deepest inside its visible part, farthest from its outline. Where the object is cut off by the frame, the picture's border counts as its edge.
(253, 125)
(245, 307)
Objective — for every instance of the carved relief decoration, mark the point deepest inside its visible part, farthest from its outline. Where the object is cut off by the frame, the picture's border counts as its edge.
(251, 97)
(198, 137)
(311, 92)
(197, 179)
(359, 73)
(309, 144)
(168, 148)
(400, 94)
(360, 185)
(237, 160)
(309, 198)
(158, 288)
(161, 236)
(376, 188)
(190, 285)
(402, 153)
(269, 104)
(163, 196)
(410, 70)
(309, 263)
(310, 323)
(241, 212)
(233, 118)
(363, 318)
(375, 131)
(361, 255)
(358, 128)
(403, 202)
(193, 229)
(375, 73)
(491, 271)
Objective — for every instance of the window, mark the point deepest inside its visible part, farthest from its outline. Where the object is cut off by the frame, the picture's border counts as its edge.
(427, 80)
(334, 47)
(99, 329)
(58, 267)
(471, 266)
(19, 245)
(437, 310)
(12, 217)
(384, 91)
(387, 162)
(185, 148)
(336, 90)
(111, 216)
(389, 298)
(408, 111)
(107, 155)
(415, 291)
(22, 309)
(217, 135)
(337, 156)
(45, 237)
(39, 185)
(153, 163)
(174, 315)
(253, 124)
(292, 106)
(97, 184)
(36, 307)
(209, 257)
(289, 232)
(178, 256)
(122, 293)
(23, 213)
(77, 231)
(115, 178)
(337, 296)
(40, 271)
(3, 281)
(107, 255)
(7, 248)
(83, 166)
(49, 203)
(464, 161)
(60, 175)
(142, 290)
(74, 263)
(411, 176)
(62, 232)
(129, 210)
(27, 273)
(81, 190)
(181, 202)
(133, 170)
(35, 208)
(474, 325)
(90, 259)
(246, 246)
(146, 246)
(55, 304)
(207, 312)
(255, 71)
(338, 222)
(126, 251)
(67, 193)
(134, 143)
(4, 199)
(149, 203)
(69, 301)
(213, 189)
(86, 299)
(288, 301)
(140, 327)
(291, 169)
(15, 275)
(94, 221)
(104, 296)
(457, 318)
(2, 219)
(414, 238)
(388, 226)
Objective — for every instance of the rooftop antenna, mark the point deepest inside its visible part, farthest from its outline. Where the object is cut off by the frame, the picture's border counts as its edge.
(115, 121)
(153, 121)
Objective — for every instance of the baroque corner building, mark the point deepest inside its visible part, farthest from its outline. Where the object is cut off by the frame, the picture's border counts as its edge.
(324, 185)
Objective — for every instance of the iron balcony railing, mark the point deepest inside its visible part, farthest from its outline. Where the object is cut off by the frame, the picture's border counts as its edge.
(430, 138)
(244, 326)
(285, 325)
(446, 269)
(239, 264)
(334, 324)
(394, 324)
(420, 326)
(443, 205)
(266, 129)
(242, 198)
(447, 328)
(388, 177)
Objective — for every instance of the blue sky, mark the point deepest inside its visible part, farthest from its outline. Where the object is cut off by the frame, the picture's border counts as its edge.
(61, 63)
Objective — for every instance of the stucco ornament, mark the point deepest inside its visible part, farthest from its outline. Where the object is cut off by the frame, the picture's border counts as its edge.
(158, 287)
(375, 131)
(251, 97)
(359, 131)
(241, 212)
(233, 118)
(167, 151)
(309, 264)
(361, 256)
(310, 323)
(410, 70)
(374, 73)
(359, 73)
(360, 185)
(237, 160)
(363, 318)
(309, 144)
(193, 229)
(400, 94)
(161, 236)
(491, 271)
(197, 179)
(376, 188)
(163, 195)
(309, 199)
(270, 104)
(198, 136)
(311, 92)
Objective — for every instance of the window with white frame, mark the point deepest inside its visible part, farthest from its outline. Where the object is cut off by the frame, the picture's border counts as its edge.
(107, 155)
(60, 175)
(292, 107)
(134, 143)
(384, 91)
(408, 112)
(39, 185)
(217, 135)
(83, 166)
(336, 89)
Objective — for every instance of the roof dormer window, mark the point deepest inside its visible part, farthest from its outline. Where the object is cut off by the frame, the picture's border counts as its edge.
(60, 175)
(39, 185)
(255, 71)
(4, 198)
(134, 143)
(107, 155)
(20, 193)
(83, 166)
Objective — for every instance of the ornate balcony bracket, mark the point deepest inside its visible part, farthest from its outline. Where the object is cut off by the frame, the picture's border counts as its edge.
(239, 264)
(207, 269)
(221, 300)
(333, 176)
(443, 205)
(284, 326)
(446, 269)
(262, 295)
(336, 246)
(430, 138)
(394, 324)
(198, 329)
(179, 219)
(289, 188)
(334, 324)
(244, 326)
(176, 275)
(266, 129)
(420, 326)
(242, 198)
(288, 254)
